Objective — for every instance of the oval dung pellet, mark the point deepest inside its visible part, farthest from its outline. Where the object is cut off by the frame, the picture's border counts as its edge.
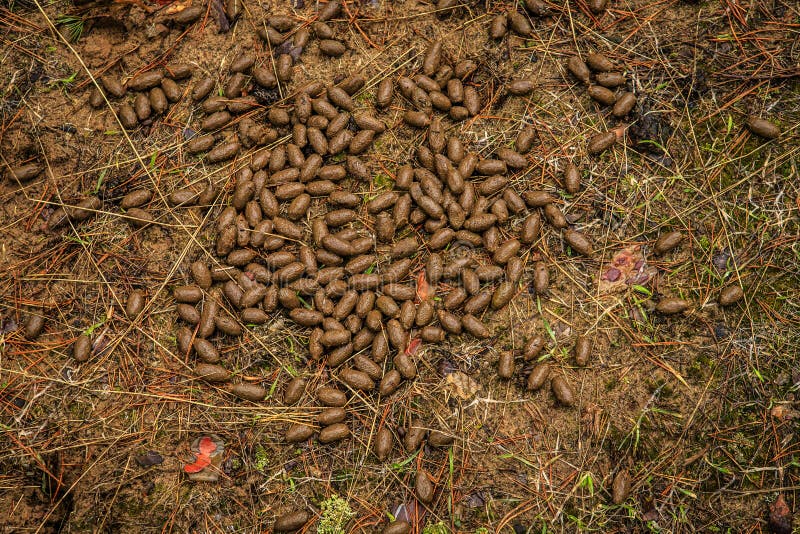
(384, 93)
(572, 179)
(671, 306)
(356, 379)
(251, 392)
(598, 62)
(332, 47)
(602, 95)
(333, 433)
(331, 416)
(141, 105)
(212, 373)
(34, 325)
(503, 294)
(390, 382)
(601, 142)
(506, 251)
(424, 488)
(731, 295)
(541, 278)
(525, 139)
(294, 390)
(474, 326)
(417, 119)
(415, 434)
(127, 117)
(205, 350)
(667, 242)
(498, 27)
(582, 350)
(520, 87)
(405, 366)
(578, 242)
(763, 128)
(136, 198)
(449, 321)
(624, 104)
(135, 303)
(610, 79)
(384, 441)
(145, 80)
(562, 391)
(531, 227)
(291, 521)
(329, 396)
(538, 376)
(297, 433)
(537, 198)
(505, 364)
(579, 69)
(228, 325)
(183, 339)
(223, 151)
(200, 143)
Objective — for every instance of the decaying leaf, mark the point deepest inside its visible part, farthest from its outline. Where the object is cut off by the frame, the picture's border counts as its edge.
(461, 385)
(627, 268)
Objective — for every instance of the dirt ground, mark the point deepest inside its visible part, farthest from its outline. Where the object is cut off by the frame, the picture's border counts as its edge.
(698, 410)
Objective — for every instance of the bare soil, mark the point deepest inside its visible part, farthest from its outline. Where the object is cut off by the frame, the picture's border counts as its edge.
(699, 408)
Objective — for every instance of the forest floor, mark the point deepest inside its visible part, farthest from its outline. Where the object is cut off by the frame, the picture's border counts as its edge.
(696, 411)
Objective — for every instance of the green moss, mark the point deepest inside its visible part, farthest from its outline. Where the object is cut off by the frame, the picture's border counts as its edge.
(336, 513)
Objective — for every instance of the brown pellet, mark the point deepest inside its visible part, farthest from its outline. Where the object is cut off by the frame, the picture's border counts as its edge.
(34, 325)
(572, 179)
(563, 392)
(763, 128)
(602, 95)
(503, 295)
(145, 80)
(332, 48)
(424, 488)
(356, 379)
(135, 303)
(667, 242)
(333, 433)
(212, 373)
(578, 242)
(579, 69)
(671, 306)
(541, 278)
(731, 295)
(538, 376)
(251, 392)
(505, 364)
(297, 433)
(610, 79)
(624, 105)
(582, 350)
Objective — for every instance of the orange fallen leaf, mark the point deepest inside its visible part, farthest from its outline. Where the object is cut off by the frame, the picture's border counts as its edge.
(202, 461)
(413, 346)
(423, 288)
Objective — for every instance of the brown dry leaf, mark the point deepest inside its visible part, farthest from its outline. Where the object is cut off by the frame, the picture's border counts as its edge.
(780, 517)
(177, 7)
(461, 385)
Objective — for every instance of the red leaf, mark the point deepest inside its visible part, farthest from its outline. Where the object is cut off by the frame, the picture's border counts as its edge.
(413, 346)
(423, 288)
(202, 461)
(207, 445)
